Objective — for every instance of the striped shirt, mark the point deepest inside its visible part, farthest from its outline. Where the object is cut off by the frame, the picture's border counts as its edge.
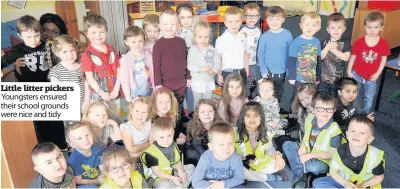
(64, 75)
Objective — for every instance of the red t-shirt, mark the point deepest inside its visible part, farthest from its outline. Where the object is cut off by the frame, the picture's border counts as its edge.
(103, 65)
(368, 58)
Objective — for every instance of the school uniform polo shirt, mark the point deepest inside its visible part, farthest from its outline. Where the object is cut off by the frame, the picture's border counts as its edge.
(232, 48)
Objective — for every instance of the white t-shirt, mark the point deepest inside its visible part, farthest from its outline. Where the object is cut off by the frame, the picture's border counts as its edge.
(252, 36)
(232, 50)
(139, 137)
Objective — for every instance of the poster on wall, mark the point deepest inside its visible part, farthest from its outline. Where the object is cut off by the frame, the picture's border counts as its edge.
(346, 7)
(147, 6)
(19, 4)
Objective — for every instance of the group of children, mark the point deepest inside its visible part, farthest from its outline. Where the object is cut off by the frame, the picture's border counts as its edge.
(229, 141)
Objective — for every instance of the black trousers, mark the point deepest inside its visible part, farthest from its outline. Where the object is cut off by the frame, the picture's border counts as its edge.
(51, 131)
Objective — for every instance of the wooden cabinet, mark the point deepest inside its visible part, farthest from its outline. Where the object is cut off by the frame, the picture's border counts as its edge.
(67, 11)
(391, 28)
(17, 140)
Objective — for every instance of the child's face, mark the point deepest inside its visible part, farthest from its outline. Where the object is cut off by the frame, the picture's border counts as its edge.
(234, 89)
(251, 17)
(81, 138)
(185, 18)
(52, 164)
(97, 35)
(233, 23)
(135, 43)
(169, 25)
(309, 27)
(373, 28)
(275, 22)
(358, 134)
(336, 29)
(323, 111)
(140, 112)
(120, 171)
(163, 103)
(266, 90)
(98, 116)
(164, 138)
(67, 54)
(151, 32)
(252, 120)
(348, 93)
(305, 99)
(222, 145)
(30, 38)
(202, 37)
(206, 114)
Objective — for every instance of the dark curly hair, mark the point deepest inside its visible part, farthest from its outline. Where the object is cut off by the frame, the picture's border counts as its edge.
(55, 19)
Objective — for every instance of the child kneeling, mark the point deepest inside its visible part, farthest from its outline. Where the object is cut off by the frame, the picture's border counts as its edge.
(162, 160)
(345, 171)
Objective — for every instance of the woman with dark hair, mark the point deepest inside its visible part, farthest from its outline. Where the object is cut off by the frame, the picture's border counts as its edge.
(52, 26)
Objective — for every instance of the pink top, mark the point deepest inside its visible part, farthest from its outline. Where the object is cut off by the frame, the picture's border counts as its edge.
(127, 67)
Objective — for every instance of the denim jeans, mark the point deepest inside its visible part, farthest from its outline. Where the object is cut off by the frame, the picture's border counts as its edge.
(313, 165)
(326, 182)
(369, 91)
(255, 75)
(190, 104)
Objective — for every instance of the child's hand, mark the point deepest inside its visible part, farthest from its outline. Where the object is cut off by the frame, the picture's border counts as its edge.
(182, 174)
(248, 55)
(349, 185)
(247, 71)
(20, 62)
(210, 72)
(292, 82)
(216, 184)
(304, 158)
(220, 79)
(332, 45)
(302, 150)
(375, 76)
(105, 96)
(349, 74)
(100, 179)
(371, 117)
(178, 181)
(114, 94)
(188, 83)
(181, 140)
(205, 68)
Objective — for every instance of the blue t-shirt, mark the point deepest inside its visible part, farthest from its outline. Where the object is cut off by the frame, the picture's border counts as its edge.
(306, 53)
(273, 50)
(88, 167)
(208, 168)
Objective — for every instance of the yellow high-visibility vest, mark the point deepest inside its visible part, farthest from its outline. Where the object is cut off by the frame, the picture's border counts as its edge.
(136, 180)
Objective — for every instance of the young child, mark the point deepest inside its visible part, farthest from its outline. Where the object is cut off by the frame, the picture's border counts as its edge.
(305, 52)
(368, 58)
(233, 98)
(119, 170)
(169, 59)
(136, 66)
(231, 47)
(185, 15)
(270, 104)
(335, 54)
(164, 167)
(136, 131)
(301, 105)
(151, 31)
(204, 116)
(100, 62)
(85, 158)
(203, 63)
(256, 147)
(273, 49)
(220, 166)
(68, 70)
(321, 138)
(52, 168)
(28, 59)
(105, 130)
(356, 164)
(164, 104)
(252, 34)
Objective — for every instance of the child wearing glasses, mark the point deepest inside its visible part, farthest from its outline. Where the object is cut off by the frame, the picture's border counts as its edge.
(252, 34)
(321, 138)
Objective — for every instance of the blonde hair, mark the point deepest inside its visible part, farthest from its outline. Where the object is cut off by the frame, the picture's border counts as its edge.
(113, 153)
(57, 44)
(162, 124)
(233, 11)
(251, 6)
(151, 19)
(94, 20)
(71, 127)
(308, 89)
(205, 25)
(311, 16)
(99, 103)
(26, 23)
(169, 12)
(144, 100)
(133, 31)
(373, 17)
(173, 112)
